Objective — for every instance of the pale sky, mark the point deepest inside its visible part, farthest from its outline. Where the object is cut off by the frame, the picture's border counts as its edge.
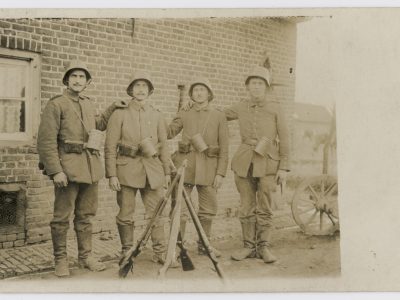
(315, 75)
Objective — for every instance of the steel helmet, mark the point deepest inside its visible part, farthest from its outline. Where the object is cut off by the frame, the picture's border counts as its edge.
(140, 75)
(260, 72)
(76, 65)
(202, 81)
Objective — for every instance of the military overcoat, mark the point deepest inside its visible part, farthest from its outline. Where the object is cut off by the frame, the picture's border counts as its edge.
(62, 136)
(212, 125)
(126, 130)
(265, 119)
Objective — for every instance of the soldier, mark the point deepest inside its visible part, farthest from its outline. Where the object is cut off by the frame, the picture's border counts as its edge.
(205, 145)
(137, 159)
(259, 163)
(73, 165)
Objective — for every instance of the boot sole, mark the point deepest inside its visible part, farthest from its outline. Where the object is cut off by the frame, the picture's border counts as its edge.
(62, 275)
(80, 266)
(251, 255)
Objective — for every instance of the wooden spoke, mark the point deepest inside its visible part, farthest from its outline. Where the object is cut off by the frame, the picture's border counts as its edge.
(330, 218)
(321, 221)
(330, 189)
(313, 191)
(320, 189)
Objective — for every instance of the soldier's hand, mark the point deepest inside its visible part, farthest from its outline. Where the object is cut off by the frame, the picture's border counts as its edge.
(114, 184)
(187, 105)
(120, 104)
(167, 180)
(280, 177)
(60, 180)
(217, 181)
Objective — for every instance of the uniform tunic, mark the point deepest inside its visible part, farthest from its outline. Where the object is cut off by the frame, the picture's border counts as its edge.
(129, 127)
(60, 123)
(212, 125)
(265, 119)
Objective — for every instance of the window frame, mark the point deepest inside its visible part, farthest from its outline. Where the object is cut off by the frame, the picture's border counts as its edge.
(32, 97)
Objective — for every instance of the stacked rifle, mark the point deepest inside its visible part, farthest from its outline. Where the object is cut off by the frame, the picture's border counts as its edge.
(127, 261)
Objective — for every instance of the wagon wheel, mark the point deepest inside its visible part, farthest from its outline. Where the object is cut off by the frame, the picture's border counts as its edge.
(315, 205)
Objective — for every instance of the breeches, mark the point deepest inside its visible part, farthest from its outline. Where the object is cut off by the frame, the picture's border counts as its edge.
(78, 198)
(207, 197)
(126, 202)
(255, 199)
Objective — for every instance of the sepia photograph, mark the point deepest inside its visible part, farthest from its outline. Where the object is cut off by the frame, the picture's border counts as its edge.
(181, 150)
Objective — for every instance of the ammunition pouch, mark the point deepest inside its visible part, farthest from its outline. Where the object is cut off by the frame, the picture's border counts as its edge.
(212, 151)
(128, 150)
(73, 146)
(184, 147)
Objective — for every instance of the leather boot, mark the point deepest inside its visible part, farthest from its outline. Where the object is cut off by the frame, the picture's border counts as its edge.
(85, 260)
(126, 237)
(249, 242)
(59, 239)
(207, 224)
(158, 240)
(263, 244)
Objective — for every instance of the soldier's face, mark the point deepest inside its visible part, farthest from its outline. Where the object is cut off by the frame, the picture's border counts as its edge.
(77, 81)
(200, 93)
(257, 88)
(140, 90)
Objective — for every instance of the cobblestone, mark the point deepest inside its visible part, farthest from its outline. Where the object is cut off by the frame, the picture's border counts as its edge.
(31, 259)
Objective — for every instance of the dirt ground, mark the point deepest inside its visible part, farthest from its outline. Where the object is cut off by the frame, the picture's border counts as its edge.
(300, 256)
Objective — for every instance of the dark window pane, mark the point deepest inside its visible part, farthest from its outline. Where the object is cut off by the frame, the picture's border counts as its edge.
(12, 116)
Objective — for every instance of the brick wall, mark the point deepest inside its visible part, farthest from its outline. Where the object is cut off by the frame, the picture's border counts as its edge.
(172, 50)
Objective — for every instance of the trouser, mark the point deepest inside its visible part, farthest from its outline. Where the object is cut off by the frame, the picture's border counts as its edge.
(255, 204)
(82, 200)
(126, 202)
(207, 198)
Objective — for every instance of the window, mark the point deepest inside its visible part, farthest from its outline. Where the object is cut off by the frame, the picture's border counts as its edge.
(19, 95)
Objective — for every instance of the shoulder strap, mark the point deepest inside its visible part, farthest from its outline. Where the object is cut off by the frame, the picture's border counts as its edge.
(79, 117)
(206, 123)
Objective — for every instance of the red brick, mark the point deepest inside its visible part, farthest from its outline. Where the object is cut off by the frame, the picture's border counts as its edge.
(5, 172)
(23, 178)
(45, 32)
(4, 24)
(7, 245)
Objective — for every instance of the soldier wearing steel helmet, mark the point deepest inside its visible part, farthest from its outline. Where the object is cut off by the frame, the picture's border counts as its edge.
(137, 159)
(75, 167)
(202, 125)
(260, 163)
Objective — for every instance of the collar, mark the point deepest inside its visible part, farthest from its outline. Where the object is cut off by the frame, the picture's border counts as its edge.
(205, 108)
(139, 105)
(72, 95)
(258, 103)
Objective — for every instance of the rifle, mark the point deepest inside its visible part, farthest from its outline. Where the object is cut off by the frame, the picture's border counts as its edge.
(127, 261)
(186, 261)
(175, 223)
(202, 236)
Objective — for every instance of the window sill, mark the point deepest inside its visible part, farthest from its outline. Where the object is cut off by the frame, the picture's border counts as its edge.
(28, 143)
